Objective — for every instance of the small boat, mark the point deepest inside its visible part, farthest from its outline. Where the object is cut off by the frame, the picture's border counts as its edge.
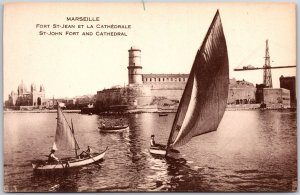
(163, 114)
(68, 163)
(161, 151)
(65, 139)
(112, 129)
(204, 99)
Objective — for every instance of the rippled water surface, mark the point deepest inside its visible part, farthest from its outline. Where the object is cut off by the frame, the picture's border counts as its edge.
(250, 151)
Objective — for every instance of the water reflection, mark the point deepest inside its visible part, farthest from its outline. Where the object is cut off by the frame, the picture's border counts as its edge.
(250, 151)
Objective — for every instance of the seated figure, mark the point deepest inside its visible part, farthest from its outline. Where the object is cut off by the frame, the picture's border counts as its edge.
(155, 145)
(87, 153)
(52, 159)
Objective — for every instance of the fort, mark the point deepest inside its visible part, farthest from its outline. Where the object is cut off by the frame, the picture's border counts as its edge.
(162, 92)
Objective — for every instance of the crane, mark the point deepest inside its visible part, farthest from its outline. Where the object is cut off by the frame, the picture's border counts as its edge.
(258, 68)
(267, 80)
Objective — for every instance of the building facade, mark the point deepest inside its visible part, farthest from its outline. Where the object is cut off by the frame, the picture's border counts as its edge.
(276, 98)
(34, 97)
(290, 84)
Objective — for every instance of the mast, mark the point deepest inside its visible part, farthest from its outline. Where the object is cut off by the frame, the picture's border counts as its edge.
(76, 144)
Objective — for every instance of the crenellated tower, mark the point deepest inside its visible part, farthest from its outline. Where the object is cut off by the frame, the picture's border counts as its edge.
(134, 67)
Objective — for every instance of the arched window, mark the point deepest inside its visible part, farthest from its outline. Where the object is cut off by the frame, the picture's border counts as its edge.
(39, 101)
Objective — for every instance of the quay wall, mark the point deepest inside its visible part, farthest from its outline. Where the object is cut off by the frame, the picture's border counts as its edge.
(241, 95)
(277, 98)
(128, 97)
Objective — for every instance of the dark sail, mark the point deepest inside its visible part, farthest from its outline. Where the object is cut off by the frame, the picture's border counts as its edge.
(205, 96)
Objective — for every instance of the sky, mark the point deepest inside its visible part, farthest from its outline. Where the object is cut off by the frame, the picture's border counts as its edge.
(168, 35)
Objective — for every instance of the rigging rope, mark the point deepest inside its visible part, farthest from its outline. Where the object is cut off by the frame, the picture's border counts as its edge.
(254, 51)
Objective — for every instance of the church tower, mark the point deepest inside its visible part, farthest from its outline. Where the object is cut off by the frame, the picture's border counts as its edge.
(134, 67)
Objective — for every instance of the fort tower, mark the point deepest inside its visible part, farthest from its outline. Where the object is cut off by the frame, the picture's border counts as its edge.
(134, 67)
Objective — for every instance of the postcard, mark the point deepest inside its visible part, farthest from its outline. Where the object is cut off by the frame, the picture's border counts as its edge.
(149, 97)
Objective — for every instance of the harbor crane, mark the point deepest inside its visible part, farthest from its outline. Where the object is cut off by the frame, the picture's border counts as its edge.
(267, 80)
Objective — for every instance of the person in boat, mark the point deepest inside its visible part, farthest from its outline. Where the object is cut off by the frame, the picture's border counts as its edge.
(152, 141)
(153, 144)
(52, 158)
(86, 153)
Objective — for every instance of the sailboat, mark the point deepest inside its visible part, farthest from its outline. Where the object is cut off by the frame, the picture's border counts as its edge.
(204, 99)
(65, 139)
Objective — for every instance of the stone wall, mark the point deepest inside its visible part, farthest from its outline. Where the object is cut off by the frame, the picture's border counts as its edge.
(276, 98)
(109, 97)
(171, 94)
(129, 97)
(241, 95)
(138, 95)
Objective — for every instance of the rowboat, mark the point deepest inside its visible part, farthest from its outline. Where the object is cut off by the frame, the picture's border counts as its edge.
(113, 129)
(204, 99)
(65, 139)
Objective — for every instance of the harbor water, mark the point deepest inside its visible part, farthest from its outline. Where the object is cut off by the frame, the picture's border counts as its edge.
(252, 151)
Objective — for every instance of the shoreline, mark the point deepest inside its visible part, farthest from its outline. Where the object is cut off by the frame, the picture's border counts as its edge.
(40, 111)
(136, 111)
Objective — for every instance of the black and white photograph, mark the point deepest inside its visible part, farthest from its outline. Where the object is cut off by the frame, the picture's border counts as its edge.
(149, 97)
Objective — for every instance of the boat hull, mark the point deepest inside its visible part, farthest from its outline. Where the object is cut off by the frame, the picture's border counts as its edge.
(161, 151)
(65, 164)
(113, 129)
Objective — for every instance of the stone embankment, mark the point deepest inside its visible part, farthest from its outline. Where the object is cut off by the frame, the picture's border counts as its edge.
(39, 111)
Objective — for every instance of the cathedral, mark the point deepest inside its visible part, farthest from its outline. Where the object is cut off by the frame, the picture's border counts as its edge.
(35, 97)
